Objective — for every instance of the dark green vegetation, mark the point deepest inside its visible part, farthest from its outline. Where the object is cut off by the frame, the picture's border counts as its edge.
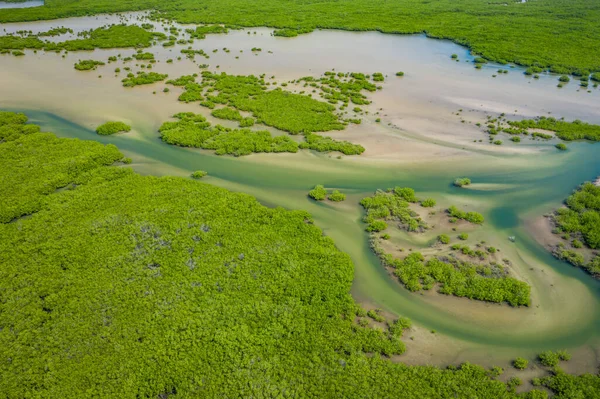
(87, 65)
(143, 78)
(191, 130)
(112, 128)
(115, 36)
(472, 217)
(549, 42)
(486, 282)
(580, 219)
(576, 130)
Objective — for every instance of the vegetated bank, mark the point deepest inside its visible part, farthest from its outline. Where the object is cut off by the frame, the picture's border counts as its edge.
(492, 30)
(578, 225)
(131, 286)
(454, 276)
(113, 36)
(290, 112)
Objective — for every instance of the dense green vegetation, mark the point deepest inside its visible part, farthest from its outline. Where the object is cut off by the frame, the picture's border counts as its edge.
(201, 31)
(130, 286)
(462, 181)
(191, 130)
(318, 193)
(143, 78)
(497, 34)
(576, 130)
(291, 32)
(115, 36)
(321, 143)
(87, 65)
(454, 277)
(199, 174)
(580, 219)
(227, 113)
(336, 196)
(520, 363)
(472, 217)
(109, 128)
(36, 164)
(293, 113)
(341, 87)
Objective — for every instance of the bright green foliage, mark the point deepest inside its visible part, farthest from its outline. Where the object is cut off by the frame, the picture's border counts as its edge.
(564, 355)
(462, 181)
(35, 164)
(293, 113)
(112, 128)
(472, 217)
(582, 214)
(56, 32)
(247, 122)
(549, 358)
(191, 130)
(156, 286)
(182, 80)
(376, 226)
(199, 174)
(576, 130)
(520, 363)
(402, 73)
(444, 239)
(143, 78)
(143, 56)
(336, 196)
(227, 113)
(549, 41)
(318, 193)
(378, 77)
(291, 32)
(428, 203)
(486, 283)
(201, 31)
(564, 79)
(392, 205)
(513, 383)
(566, 386)
(574, 258)
(459, 279)
(463, 236)
(87, 65)
(321, 143)
(116, 36)
(375, 314)
(342, 87)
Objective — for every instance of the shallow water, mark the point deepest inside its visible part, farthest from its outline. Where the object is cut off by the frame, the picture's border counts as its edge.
(24, 4)
(425, 146)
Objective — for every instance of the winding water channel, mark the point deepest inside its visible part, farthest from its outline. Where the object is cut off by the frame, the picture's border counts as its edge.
(420, 143)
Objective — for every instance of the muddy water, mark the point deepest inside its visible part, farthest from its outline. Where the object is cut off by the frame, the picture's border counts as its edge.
(420, 143)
